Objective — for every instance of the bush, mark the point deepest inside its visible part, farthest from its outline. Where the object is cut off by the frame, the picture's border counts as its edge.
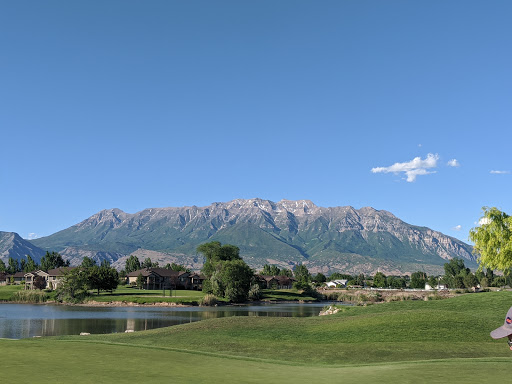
(255, 292)
(209, 301)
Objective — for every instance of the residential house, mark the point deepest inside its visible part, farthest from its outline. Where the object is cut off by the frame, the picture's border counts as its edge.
(18, 277)
(337, 283)
(53, 277)
(438, 287)
(30, 277)
(161, 278)
(275, 282)
(196, 281)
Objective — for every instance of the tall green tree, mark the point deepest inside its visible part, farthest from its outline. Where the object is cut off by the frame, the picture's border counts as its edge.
(13, 266)
(286, 272)
(132, 264)
(454, 273)
(74, 285)
(87, 262)
(302, 277)
(493, 240)
(53, 260)
(418, 280)
(177, 267)
(379, 280)
(3, 268)
(147, 263)
(227, 274)
(339, 276)
(102, 278)
(30, 265)
(140, 281)
(270, 270)
(396, 282)
(433, 281)
(470, 280)
(215, 252)
(319, 278)
(455, 267)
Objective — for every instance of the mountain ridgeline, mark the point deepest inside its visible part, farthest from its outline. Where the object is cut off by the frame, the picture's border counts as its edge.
(285, 233)
(12, 245)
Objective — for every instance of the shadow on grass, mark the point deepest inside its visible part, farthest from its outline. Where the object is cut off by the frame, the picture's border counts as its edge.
(285, 295)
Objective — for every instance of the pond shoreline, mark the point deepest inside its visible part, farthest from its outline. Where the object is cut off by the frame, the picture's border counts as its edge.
(100, 304)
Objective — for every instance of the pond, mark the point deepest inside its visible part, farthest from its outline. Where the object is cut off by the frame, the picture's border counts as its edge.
(27, 320)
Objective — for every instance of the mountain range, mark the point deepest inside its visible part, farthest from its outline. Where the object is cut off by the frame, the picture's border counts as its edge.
(12, 245)
(285, 233)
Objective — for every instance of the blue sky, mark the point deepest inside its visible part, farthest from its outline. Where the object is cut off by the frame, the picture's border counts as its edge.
(132, 105)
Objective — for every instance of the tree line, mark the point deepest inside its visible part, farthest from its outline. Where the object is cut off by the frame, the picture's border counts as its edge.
(50, 260)
(133, 264)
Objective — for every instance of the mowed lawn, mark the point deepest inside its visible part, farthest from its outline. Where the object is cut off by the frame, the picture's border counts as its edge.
(399, 342)
(143, 296)
(7, 291)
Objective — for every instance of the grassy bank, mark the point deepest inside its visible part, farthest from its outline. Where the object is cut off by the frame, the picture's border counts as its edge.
(124, 294)
(7, 292)
(139, 296)
(187, 297)
(82, 362)
(408, 341)
(388, 332)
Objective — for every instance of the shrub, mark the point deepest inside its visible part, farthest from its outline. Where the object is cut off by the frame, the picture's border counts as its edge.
(255, 292)
(209, 301)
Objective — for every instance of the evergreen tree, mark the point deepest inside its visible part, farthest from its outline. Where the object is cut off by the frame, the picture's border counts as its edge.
(30, 265)
(302, 277)
(13, 266)
(53, 260)
(87, 262)
(132, 264)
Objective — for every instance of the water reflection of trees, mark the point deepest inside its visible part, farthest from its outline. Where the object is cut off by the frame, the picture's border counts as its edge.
(135, 320)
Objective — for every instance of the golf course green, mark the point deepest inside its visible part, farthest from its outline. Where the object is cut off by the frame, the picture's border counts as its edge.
(398, 342)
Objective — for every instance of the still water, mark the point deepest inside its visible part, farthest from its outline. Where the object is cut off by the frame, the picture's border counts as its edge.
(25, 320)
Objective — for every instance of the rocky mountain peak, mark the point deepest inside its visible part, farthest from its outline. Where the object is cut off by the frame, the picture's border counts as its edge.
(285, 233)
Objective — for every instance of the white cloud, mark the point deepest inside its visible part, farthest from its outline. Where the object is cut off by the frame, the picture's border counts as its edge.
(413, 168)
(484, 220)
(32, 236)
(453, 163)
(500, 172)
(457, 227)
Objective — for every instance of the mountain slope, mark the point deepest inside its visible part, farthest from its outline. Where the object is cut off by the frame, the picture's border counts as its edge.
(285, 233)
(12, 245)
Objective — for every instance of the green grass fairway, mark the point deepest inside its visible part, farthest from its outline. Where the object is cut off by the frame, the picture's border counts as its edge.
(82, 362)
(142, 296)
(398, 342)
(7, 291)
